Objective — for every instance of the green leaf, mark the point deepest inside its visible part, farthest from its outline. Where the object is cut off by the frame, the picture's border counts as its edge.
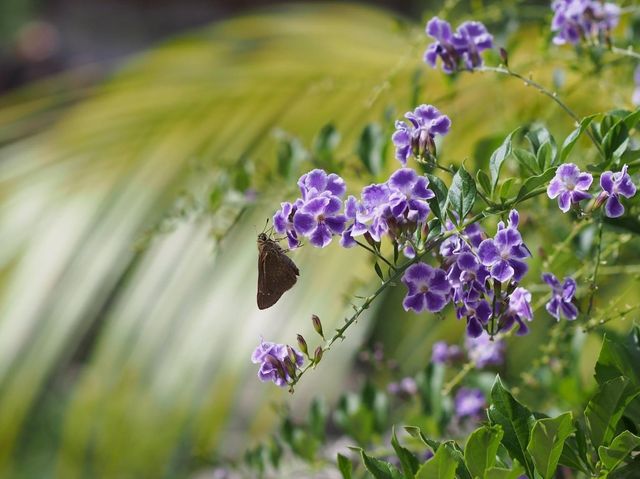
(571, 140)
(606, 407)
(378, 269)
(547, 441)
(371, 146)
(318, 418)
(437, 204)
(615, 142)
(506, 187)
(418, 434)
(538, 137)
(619, 359)
(502, 473)
(574, 452)
(379, 469)
(544, 157)
(481, 448)
(441, 466)
(462, 194)
(344, 466)
(527, 160)
(534, 182)
(324, 145)
(484, 182)
(516, 421)
(408, 461)
(632, 119)
(498, 157)
(613, 456)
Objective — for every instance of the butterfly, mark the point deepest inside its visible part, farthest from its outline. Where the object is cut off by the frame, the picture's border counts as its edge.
(277, 272)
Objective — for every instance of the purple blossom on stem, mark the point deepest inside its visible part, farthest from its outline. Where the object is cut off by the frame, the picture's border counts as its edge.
(484, 351)
(569, 186)
(317, 182)
(503, 255)
(575, 21)
(561, 297)
(417, 135)
(469, 403)
(428, 288)
(442, 353)
(275, 361)
(465, 45)
(519, 309)
(477, 314)
(283, 223)
(319, 219)
(613, 186)
(408, 196)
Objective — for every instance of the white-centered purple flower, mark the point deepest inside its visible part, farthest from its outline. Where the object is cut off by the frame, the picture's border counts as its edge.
(317, 182)
(484, 351)
(428, 288)
(503, 255)
(276, 362)
(463, 46)
(416, 136)
(519, 310)
(575, 21)
(570, 185)
(561, 297)
(613, 186)
(477, 314)
(408, 197)
(469, 402)
(283, 223)
(319, 219)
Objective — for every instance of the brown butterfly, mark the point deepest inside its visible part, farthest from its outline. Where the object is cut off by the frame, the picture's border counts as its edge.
(277, 272)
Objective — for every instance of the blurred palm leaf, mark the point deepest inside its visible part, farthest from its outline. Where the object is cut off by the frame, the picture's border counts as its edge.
(146, 351)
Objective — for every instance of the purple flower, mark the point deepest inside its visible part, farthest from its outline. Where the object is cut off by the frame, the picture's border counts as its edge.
(276, 362)
(578, 20)
(408, 196)
(283, 223)
(319, 219)
(407, 387)
(484, 351)
(469, 403)
(569, 186)
(518, 310)
(561, 296)
(428, 288)
(503, 255)
(317, 182)
(417, 135)
(613, 186)
(442, 353)
(477, 314)
(470, 39)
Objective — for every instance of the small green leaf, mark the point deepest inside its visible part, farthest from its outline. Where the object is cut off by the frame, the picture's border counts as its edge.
(544, 157)
(371, 146)
(547, 440)
(502, 473)
(437, 204)
(506, 187)
(538, 137)
(462, 194)
(606, 407)
(571, 140)
(615, 143)
(527, 160)
(632, 119)
(619, 359)
(516, 421)
(345, 466)
(484, 182)
(418, 434)
(379, 469)
(481, 448)
(435, 228)
(534, 182)
(620, 450)
(408, 461)
(324, 145)
(378, 271)
(498, 157)
(574, 452)
(441, 466)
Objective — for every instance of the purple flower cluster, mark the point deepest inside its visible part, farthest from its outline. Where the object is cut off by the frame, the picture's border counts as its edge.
(416, 136)
(483, 351)
(454, 49)
(571, 186)
(469, 403)
(561, 297)
(278, 362)
(442, 353)
(480, 276)
(317, 214)
(575, 21)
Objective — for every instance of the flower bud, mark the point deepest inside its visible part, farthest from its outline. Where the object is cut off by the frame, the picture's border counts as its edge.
(318, 355)
(504, 56)
(317, 325)
(302, 344)
(289, 367)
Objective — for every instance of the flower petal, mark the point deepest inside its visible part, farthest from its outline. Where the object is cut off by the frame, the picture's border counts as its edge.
(613, 208)
(502, 271)
(303, 222)
(414, 303)
(488, 252)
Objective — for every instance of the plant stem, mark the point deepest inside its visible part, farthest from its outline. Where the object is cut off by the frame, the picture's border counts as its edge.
(593, 287)
(375, 253)
(629, 52)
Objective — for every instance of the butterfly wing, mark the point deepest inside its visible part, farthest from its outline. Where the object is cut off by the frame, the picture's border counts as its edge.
(277, 273)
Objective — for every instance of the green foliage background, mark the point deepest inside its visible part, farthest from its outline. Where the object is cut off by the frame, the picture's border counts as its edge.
(128, 261)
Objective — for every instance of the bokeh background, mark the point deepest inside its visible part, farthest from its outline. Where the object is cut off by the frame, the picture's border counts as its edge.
(139, 152)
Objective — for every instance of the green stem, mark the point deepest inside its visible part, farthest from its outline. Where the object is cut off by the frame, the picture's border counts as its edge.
(375, 253)
(593, 287)
(629, 52)
(553, 95)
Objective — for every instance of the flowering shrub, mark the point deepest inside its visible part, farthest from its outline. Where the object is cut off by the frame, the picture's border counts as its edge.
(464, 250)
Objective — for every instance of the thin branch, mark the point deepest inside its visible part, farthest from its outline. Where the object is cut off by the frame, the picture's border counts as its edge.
(375, 253)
